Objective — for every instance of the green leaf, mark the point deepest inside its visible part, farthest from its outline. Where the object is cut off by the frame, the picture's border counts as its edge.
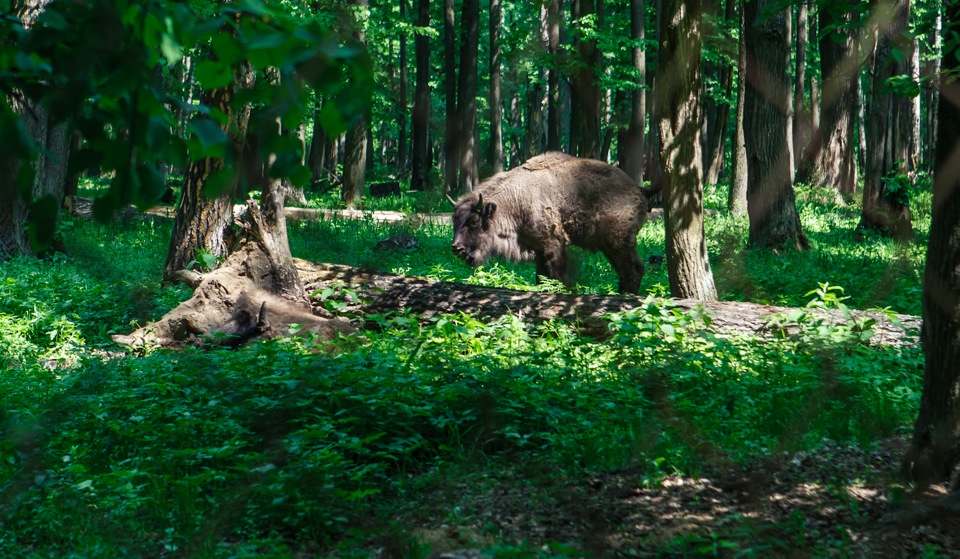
(208, 132)
(213, 74)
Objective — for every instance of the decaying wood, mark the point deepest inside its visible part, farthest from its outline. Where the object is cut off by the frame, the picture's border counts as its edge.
(385, 293)
(244, 299)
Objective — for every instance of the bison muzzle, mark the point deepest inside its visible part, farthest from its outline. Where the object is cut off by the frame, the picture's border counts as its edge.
(536, 211)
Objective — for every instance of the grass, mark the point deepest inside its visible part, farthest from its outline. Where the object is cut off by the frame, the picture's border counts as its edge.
(280, 450)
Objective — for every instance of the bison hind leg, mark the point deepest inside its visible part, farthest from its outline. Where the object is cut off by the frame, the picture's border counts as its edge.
(629, 268)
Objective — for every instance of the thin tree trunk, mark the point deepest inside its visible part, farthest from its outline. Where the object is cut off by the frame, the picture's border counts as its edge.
(402, 138)
(317, 160)
(935, 449)
(737, 198)
(678, 113)
(774, 221)
(451, 142)
(467, 94)
(496, 112)
(801, 123)
(717, 124)
(634, 146)
(420, 172)
(586, 85)
(553, 75)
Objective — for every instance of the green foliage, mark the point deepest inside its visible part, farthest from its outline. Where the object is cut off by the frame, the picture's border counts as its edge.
(110, 87)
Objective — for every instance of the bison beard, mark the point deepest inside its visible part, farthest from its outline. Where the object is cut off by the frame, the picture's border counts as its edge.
(536, 211)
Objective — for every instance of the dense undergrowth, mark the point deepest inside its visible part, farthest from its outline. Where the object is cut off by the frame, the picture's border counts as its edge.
(281, 448)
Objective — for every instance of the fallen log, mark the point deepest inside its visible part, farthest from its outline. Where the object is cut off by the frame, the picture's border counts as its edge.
(387, 293)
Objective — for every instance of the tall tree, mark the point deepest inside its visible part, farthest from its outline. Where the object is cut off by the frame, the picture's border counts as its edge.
(801, 121)
(935, 449)
(420, 171)
(535, 90)
(886, 206)
(553, 76)
(830, 158)
(634, 149)
(46, 174)
(585, 81)
(204, 214)
(467, 94)
(451, 142)
(402, 136)
(355, 159)
(737, 197)
(678, 94)
(496, 111)
(717, 111)
(771, 205)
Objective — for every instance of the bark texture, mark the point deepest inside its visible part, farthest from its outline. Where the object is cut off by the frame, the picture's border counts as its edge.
(355, 157)
(678, 113)
(830, 159)
(774, 221)
(496, 114)
(886, 205)
(635, 148)
(737, 198)
(935, 449)
(467, 95)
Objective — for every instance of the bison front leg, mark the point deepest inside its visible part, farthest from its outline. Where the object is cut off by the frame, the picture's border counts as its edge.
(552, 262)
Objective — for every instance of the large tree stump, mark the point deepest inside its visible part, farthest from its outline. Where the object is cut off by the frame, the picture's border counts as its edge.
(254, 294)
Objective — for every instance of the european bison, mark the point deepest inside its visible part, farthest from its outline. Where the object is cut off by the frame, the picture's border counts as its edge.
(552, 201)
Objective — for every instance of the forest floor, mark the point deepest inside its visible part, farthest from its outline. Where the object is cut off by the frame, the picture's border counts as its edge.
(829, 504)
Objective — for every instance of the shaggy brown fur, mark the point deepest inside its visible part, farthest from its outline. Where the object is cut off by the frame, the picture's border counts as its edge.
(536, 211)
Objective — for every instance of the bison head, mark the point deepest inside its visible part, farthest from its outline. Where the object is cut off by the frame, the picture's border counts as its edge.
(471, 229)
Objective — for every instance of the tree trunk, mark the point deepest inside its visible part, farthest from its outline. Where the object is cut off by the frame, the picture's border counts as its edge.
(716, 125)
(317, 160)
(48, 167)
(886, 204)
(935, 449)
(553, 76)
(774, 221)
(467, 95)
(420, 172)
(634, 146)
(586, 84)
(402, 138)
(830, 159)
(537, 96)
(496, 122)
(355, 160)
(202, 221)
(737, 198)
(801, 121)
(451, 142)
(678, 114)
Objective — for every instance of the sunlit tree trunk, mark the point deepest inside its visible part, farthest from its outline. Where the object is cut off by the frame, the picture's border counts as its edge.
(935, 449)
(737, 198)
(887, 176)
(774, 221)
(678, 114)
(801, 120)
(719, 111)
(830, 159)
(402, 138)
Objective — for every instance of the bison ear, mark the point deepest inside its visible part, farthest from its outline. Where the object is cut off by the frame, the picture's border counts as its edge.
(488, 210)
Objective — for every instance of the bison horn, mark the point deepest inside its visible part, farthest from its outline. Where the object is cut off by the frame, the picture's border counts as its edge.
(479, 206)
(451, 200)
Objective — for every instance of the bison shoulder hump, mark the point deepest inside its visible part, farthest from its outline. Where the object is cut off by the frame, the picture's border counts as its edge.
(546, 160)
